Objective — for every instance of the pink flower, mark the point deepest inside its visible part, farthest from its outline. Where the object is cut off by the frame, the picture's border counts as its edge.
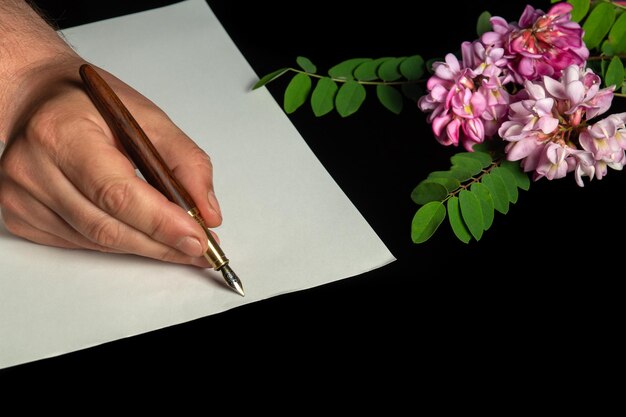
(539, 43)
(466, 101)
(606, 141)
(552, 162)
(547, 128)
(578, 91)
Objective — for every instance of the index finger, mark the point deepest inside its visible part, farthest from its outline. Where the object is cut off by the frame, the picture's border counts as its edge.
(106, 177)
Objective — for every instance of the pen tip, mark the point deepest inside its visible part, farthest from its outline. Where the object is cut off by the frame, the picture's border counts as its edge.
(232, 280)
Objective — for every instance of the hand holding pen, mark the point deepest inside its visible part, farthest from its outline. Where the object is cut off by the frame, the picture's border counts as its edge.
(65, 180)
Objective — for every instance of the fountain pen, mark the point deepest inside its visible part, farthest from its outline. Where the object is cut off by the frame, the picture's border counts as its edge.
(151, 165)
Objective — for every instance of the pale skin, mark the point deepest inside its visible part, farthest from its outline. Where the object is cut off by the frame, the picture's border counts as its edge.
(64, 179)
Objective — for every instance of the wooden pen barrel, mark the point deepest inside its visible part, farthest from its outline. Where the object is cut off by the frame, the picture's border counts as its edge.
(134, 140)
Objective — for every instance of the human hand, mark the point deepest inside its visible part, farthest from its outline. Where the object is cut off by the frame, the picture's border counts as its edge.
(65, 180)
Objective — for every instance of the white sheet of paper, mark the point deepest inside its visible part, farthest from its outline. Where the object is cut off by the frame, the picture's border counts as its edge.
(287, 225)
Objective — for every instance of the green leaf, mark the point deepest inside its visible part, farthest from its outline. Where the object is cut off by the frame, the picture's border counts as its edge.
(581, 7)
(306, 64)
(368, 70)
(323, 96)
(498, 192)
(456, 172)
(390, 69)
(482, 157)
(427, 191)
(426, 221)
(486, 203)
(456, 220)
(468, 163)
(430, 62)
(598, 23)
(412, 68)
(472, 213)
(412, 91)
(441, 174)
(344, 70)
(483, 24)
(460, 173)
(617, 35)
(521, 178)
(615, 73)
(607, 48)
(297, 92)
(482, 147)
(390, 97)
(451, 184)
(349, 98)
(269, 77)
(509, 182)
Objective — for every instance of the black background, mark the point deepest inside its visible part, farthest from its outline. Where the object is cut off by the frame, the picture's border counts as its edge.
(542, 290)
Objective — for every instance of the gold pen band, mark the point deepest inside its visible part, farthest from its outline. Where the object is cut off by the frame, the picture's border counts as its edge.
(214, 253)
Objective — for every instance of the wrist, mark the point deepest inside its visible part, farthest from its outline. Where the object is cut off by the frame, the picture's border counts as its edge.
(28, 45)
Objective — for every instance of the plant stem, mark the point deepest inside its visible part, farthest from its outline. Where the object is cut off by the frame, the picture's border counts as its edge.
(343, 80)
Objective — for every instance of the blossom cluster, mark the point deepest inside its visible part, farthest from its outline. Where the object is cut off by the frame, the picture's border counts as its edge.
(527, 83)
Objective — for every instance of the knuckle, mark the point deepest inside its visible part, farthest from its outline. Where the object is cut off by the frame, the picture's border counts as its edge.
(113, 196)
(52, 131)
(200, 158)
(159, 225)
(43, 127)
(105, 232)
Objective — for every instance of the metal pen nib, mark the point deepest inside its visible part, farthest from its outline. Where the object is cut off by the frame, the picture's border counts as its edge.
(232, 279)
(216, 257)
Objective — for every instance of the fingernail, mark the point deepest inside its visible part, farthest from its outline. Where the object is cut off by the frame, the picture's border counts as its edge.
(214, 203)
(190, 246)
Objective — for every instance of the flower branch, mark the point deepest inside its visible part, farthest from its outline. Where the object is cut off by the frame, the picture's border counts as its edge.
(344, 89)
(524, 100)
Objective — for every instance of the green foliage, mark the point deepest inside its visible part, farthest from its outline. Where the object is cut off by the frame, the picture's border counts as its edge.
(598, 23)
(390, 97)
(580, 10)
(323, 97)
(306, 64)
(297, 92)
(521, 178)
(472, 190)
(486, 202)
(344, 89)
(349, 98)
(472, 212)
(344, 70)
(617, 36)
(457, 223)
(390, 69)
(477, 184)
(498, 191)
(426, 221)
(483, 24)
(368, 70)
(604, 23)
(615, 73)
(269, 77)
(412, 68)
